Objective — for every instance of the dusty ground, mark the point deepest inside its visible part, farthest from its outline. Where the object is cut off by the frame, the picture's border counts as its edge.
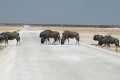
(87, 33)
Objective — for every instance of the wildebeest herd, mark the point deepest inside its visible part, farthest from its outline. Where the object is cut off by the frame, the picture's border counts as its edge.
(45, 35)
(66, 35)
(102, 40)
(106, 40)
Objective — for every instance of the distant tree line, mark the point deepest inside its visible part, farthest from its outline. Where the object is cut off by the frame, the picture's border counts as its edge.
(62, 25)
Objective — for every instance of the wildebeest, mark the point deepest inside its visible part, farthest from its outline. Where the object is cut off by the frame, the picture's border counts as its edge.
(11, 36)
(69, 34)
(49, 34)
(106, 40)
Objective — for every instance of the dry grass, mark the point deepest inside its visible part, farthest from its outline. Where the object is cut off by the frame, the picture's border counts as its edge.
(9, 28)
(82, 29)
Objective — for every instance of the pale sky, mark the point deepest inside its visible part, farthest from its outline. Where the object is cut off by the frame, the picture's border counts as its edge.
(87, 12)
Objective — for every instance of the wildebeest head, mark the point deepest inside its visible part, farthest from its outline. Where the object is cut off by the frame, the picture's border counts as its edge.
(98, 37)
(100, 43)
(4, 34)
(42, 40)
(2, 38)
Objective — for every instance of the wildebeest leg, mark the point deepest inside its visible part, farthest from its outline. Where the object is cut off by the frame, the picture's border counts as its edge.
(116, 46)
(68, 40)
(104, 46)
(108, 46)
(6, 42)
(45, 41)
(59, 39)
(17, 42)
(48, 41)
(55, 39)
(53, 42)
(77, 41)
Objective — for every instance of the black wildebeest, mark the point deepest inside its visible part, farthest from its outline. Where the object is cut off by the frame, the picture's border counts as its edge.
(11, 36)
(49, 34)
(69, 34)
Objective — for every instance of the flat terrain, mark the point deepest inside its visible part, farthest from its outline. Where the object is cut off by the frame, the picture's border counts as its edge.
(33, 61)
